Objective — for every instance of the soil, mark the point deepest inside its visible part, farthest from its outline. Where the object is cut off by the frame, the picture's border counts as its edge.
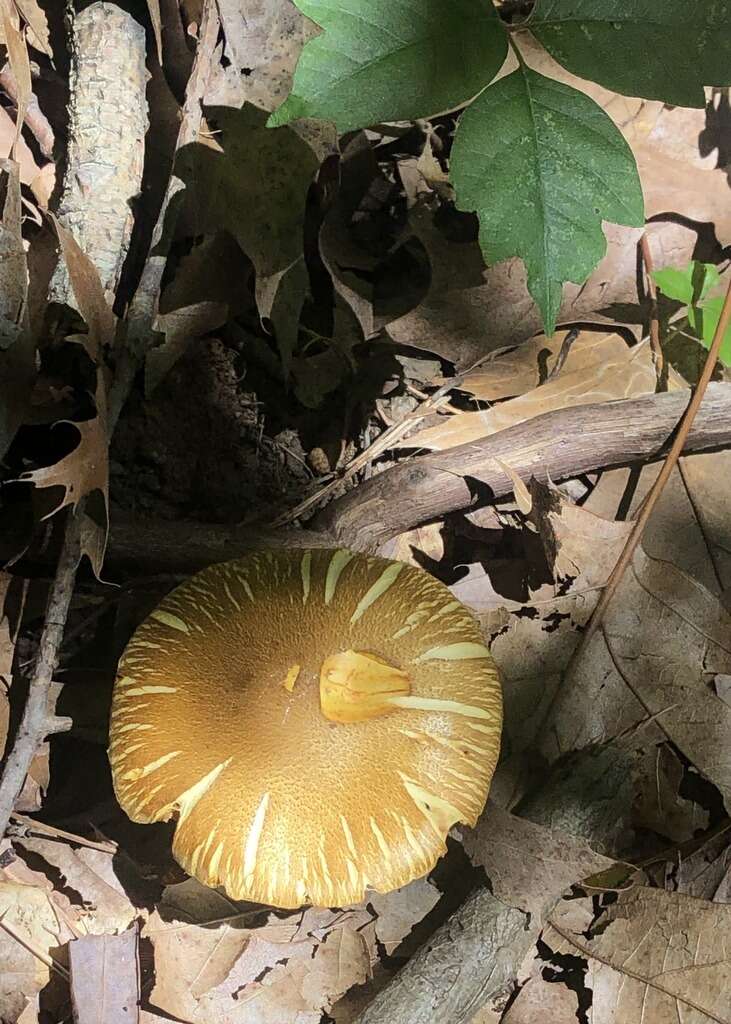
(198, 447)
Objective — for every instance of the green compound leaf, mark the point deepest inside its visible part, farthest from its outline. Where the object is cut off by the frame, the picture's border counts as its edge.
(393, 60)
(658, 49)
(543, 165)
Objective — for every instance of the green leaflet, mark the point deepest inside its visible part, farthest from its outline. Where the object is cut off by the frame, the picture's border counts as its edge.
(690, 286)
(658, 49)
(543, 165)
(393, 60)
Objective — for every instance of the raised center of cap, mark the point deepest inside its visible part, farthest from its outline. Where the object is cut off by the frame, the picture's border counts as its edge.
(356, 686)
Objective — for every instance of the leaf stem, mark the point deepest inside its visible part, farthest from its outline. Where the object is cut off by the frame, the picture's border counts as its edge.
(664, 475)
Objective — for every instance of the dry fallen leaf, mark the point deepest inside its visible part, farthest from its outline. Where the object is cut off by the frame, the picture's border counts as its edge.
(35, 18)
(522, 368)
(85, 470)
(653, 956)
(17, 348)
(529, 866)
(255, 185)
(104, 906)
(105, 987)
(19, 61)
(180, 327)
(265, 38)
(664, 640)
(30, 934)
(628, 375)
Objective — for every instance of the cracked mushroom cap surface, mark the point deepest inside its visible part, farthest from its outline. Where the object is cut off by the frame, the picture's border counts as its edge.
(316, 721)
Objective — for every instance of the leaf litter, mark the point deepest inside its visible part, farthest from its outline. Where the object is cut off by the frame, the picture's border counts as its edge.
(351, 270)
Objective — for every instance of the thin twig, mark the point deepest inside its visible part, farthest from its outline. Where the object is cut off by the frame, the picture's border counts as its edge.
(663, 476)
(38, 716)
(30, 827)
(380, 445)
(655, 344)
(44, 958)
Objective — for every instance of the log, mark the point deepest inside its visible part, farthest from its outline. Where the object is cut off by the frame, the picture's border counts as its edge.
(560, 444)
(469, 962)
(106, 146)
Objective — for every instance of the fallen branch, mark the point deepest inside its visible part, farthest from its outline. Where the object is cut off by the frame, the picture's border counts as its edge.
(38, 719)
(468, 963)
(557, 445)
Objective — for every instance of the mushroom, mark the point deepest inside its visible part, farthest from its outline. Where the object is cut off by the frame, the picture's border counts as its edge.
(317, 721)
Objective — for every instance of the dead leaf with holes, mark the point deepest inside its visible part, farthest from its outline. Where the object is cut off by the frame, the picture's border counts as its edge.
(653, 956)
(263, 39)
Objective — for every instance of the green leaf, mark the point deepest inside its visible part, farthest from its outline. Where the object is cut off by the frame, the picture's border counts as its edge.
(658, 49)
(689, 285)
(543, 165)
(704, 320)
(393, 60)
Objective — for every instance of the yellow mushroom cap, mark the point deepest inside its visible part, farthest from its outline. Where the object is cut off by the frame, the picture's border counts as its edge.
(317, 720)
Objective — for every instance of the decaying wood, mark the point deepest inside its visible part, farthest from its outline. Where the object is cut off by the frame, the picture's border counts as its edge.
(107, 125)
(469, 962)
(108, 120)
(557, 445)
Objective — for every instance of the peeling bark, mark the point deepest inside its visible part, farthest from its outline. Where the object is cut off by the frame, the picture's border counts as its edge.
(107, 125)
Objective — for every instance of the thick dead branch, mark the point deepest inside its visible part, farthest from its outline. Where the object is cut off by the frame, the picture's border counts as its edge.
(559, 445)
(148, 546)
(38, 715)
(469, 962)
(107, 125)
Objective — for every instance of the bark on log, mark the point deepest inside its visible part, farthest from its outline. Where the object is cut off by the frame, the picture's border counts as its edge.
(560, 444)
(469, 962)
(107, 125)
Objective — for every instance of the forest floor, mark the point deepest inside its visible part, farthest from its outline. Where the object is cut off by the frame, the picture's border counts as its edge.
(275, 337)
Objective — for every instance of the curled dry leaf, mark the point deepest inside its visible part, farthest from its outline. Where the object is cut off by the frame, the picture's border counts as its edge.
(35, 18)
(629, 374)
(19, 62)
(653, 956)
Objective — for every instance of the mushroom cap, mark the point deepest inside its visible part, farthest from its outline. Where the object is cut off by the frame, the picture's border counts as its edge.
(317, 720)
